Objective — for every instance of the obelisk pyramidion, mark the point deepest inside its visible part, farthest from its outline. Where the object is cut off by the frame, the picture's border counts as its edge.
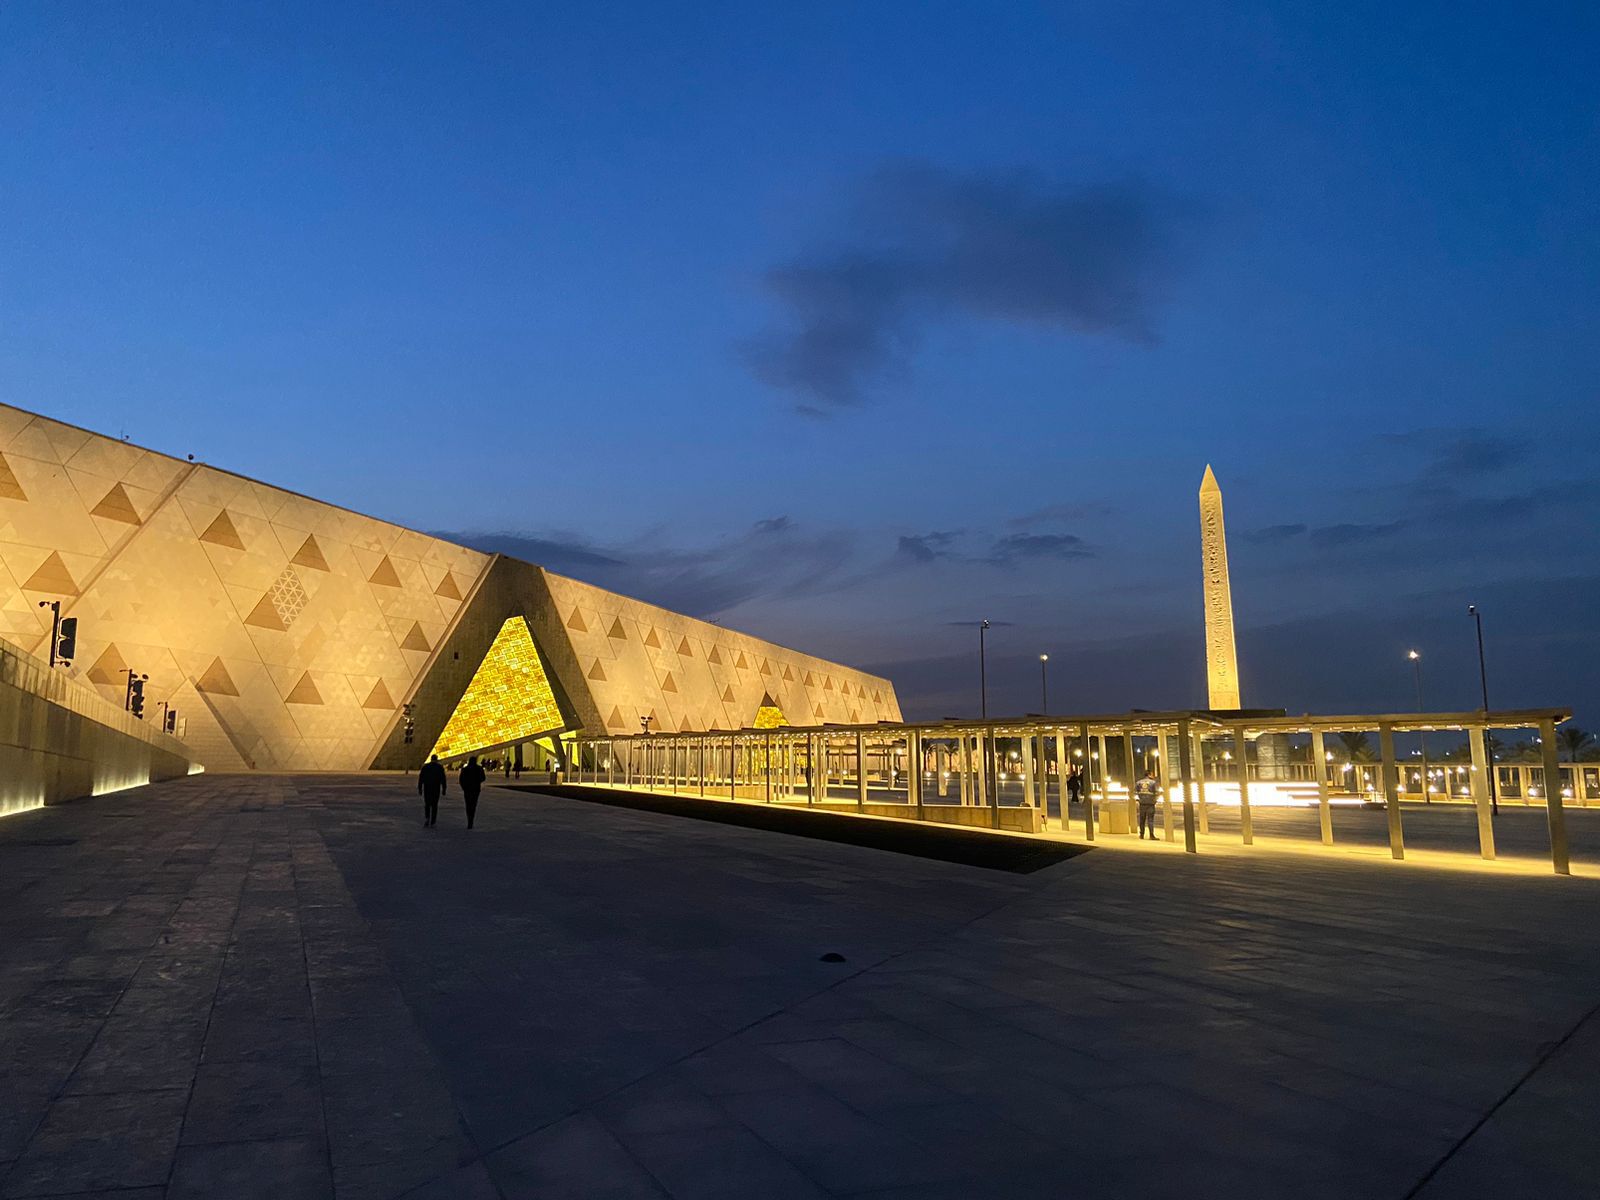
(1222, 664)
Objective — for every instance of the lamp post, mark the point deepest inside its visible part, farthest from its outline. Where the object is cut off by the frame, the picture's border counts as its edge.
(1422, 738)
(1483, 683)
(983, 672)
(1044, 684)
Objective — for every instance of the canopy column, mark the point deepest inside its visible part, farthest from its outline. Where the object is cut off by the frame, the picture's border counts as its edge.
(1241, 751)
(1185, 743)
(861, 772)
(1132, 773)
(1319, 764)
(1162, 773)
(1087, 788)
(1391, 789)
(1480, 791)
(914, 770)
(1555, 815)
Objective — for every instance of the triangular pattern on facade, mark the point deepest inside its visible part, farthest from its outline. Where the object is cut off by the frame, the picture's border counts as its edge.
(10, 485)
(508, 700)
(715, 656)
(597, 672)
(221, 532)
(669, 684)
(110, 667)
(651, 640)
(115, 506)
(416, 639)
(304, 691)
(310, 555)
(617, 631)
(216, 681)
(576, 623)
(384, 574)
(379, 697)
(447, 588)
(684, 649)
(265, 615)
(53, 577)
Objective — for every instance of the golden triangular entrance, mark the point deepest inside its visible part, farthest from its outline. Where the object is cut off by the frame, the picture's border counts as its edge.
(509, 698)
(769, 715)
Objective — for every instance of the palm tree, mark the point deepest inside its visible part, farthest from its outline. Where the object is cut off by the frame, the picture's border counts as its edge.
(1574, 741)
(1357, 747)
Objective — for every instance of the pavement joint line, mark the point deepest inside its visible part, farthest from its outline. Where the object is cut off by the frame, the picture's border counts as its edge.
(1538, 1063)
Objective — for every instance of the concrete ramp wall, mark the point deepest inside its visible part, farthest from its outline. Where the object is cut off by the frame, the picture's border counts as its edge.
(59, 740)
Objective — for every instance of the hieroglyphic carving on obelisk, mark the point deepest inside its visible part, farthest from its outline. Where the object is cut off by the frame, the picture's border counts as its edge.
(1222, 664)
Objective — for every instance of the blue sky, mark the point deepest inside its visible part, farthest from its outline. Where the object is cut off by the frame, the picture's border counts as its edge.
(848, 324)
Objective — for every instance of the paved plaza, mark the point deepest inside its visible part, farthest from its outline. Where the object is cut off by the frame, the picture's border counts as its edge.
(283, 986)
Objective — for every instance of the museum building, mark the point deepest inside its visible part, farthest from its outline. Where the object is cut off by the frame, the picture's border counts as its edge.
(284, 633)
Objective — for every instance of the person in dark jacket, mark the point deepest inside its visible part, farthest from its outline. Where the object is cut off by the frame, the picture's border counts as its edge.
(431, 783)
(472, 777)
(1147, 791)
(1074, 784)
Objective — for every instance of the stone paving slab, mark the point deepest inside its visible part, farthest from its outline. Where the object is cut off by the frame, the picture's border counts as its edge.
(286, 987)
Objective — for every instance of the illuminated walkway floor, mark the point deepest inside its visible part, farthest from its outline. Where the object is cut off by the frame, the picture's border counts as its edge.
(285, 987)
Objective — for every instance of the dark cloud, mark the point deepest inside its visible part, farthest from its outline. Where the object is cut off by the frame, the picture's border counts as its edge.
(1020, 547)
(928, 242)
(1273, 534)
(774, 557)
(1453, 453)
(559, 552)
(926, 547)
(1323, 537)
(1329, 537)
(1052, 513)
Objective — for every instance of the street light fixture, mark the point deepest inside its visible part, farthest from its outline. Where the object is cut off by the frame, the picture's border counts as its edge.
(1422, 738)
(1483, 682)
(1044, 684)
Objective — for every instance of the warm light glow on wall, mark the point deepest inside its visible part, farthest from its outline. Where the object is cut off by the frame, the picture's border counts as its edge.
(769, 716)
(508, 700)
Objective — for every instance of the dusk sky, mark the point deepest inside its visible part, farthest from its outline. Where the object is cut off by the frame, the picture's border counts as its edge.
(850, 325)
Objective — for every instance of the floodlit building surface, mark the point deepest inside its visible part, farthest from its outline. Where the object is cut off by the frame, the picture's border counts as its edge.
(292, 634)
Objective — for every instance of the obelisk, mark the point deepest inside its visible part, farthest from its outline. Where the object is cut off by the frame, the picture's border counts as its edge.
(1222, 663)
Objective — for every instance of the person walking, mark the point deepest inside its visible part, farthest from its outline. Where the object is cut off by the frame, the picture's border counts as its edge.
(472, 777)
(1074, 784)
(507, 765)
(431, 783)
(1146, 791)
